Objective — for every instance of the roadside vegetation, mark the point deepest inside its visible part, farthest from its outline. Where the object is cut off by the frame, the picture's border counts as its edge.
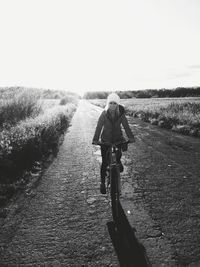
(17, 108)
(148, 93)
(32, 124)
(179, 114)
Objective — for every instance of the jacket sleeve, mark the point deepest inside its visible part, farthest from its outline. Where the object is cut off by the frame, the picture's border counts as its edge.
(99, 127)
(127, 127)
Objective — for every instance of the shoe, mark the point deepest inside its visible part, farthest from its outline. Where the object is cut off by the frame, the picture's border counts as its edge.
(103, 188)
(121, 167)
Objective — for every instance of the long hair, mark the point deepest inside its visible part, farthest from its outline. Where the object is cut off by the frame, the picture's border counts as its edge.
(116, 110)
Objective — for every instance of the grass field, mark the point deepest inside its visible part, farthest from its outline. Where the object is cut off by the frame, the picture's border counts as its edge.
(179, 114)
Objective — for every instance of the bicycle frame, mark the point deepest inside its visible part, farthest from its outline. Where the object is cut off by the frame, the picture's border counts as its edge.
(113, 164)
(114, 176)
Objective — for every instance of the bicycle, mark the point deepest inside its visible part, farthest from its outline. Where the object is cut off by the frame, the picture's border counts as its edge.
(113, 176)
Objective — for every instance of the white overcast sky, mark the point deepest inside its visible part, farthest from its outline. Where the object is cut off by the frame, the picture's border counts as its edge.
(81, 45)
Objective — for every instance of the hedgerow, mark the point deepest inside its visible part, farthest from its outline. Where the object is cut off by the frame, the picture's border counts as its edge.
(31, 140)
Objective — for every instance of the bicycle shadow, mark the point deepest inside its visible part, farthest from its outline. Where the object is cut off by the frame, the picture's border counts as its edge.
(129, 251)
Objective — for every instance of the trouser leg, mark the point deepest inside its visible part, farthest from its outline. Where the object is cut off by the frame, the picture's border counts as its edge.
(104, 163)
(118, 158)
(118, 155)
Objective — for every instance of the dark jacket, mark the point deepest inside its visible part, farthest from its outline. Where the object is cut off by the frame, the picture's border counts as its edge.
(110, 129)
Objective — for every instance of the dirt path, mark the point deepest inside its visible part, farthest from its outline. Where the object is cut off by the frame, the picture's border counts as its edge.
(63, 221)
(166, 173)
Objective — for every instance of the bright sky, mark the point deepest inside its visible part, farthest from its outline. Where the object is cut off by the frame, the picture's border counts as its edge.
(81, 45)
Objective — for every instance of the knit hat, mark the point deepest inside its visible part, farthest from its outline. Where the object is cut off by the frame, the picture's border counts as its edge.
(113, 97)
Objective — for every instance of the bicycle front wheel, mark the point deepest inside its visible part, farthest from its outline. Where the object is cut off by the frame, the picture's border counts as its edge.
(114, 191)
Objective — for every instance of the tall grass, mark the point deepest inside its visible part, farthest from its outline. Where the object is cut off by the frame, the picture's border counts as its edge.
(169, 115)
(30, 130)
(10, 92)
(32, 139)
(18, 103)
(68, 99)
(20, 107)
(179, 114)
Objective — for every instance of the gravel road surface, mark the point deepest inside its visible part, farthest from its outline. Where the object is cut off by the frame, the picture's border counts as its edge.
(63, 221)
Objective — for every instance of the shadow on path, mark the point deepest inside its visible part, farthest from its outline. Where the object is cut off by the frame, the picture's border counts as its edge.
(130, 252)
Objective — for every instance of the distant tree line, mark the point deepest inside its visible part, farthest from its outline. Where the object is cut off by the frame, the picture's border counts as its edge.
(148, 93)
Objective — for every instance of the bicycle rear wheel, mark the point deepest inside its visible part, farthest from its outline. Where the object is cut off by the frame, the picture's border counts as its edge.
(114, 191)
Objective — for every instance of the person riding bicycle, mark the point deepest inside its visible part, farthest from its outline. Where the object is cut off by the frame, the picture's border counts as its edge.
(109, 130)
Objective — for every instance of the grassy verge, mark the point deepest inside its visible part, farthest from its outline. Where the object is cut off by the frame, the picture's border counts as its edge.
(31, 131)
(20, 107)
(180, 115)
(31, 140)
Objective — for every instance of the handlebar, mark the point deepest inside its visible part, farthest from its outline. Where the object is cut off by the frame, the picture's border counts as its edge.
(113, 144)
